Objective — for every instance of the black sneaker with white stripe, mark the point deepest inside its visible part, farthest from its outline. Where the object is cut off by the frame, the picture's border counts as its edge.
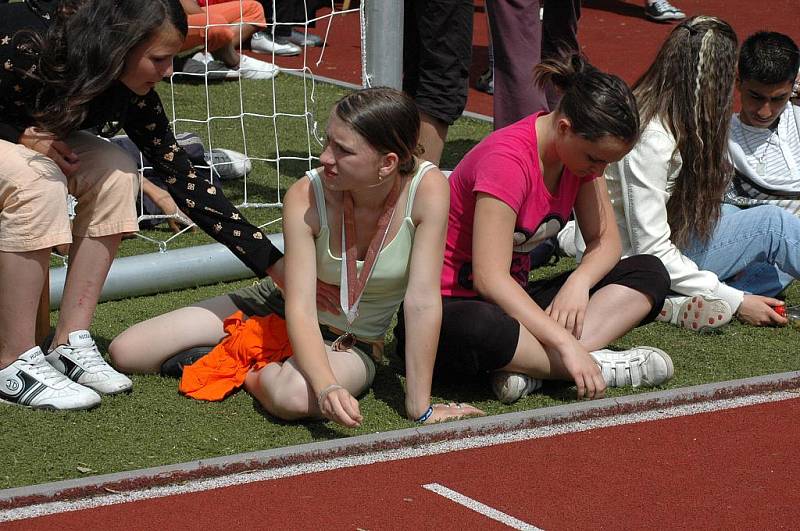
(662, 11)
(32, 382)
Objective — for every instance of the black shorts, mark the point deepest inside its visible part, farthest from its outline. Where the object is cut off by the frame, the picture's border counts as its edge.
(437, 51)
(478, 337)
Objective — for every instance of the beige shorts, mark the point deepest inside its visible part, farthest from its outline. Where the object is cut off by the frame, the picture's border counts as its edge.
(33, 194)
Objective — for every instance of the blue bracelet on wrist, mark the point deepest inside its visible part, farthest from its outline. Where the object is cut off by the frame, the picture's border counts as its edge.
(425, 416)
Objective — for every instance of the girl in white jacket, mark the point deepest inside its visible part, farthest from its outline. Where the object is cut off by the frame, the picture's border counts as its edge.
(667, 191)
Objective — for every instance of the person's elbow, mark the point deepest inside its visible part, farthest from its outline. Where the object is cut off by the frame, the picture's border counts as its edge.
(484, 282)
(422, 301)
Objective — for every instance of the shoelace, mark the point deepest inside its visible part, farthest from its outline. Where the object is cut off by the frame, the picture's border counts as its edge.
(221, 159)
(43, 370)
(88, 356)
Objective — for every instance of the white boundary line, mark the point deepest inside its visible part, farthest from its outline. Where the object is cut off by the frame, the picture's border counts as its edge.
(43, 509)
(480, 508)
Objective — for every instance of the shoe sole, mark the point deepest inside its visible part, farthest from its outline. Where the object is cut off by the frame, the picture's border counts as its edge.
(290, 53)
(127, 389)
(50, 407)
(700, 314)
(666, 18)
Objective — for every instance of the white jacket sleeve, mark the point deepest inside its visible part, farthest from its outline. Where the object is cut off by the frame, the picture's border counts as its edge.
(643, 175)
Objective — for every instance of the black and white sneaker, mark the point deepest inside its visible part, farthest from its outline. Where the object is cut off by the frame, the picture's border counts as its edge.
(662, 11)
(32, 382)
(82, 363)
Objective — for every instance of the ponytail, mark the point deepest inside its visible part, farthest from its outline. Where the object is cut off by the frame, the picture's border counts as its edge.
(595, 102)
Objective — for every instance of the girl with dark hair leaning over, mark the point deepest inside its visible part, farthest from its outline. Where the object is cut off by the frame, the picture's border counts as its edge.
(513, 191)
(67, 66)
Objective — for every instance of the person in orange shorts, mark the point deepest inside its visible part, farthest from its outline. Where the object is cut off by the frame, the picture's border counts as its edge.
(221, 27)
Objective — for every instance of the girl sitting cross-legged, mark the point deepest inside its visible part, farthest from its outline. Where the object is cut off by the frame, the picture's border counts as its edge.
(513, 191)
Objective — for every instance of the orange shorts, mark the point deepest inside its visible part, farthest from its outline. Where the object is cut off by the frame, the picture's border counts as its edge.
(33, 194)
(219, 25)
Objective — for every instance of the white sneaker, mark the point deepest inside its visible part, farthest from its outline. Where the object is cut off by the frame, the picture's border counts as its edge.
(215, 69)
(636, 367)
(32, 382)
(698, 313)
(509, 387)
(566, 239)
(228, 164)
(82, 362)
(262, 42)
(250, 68)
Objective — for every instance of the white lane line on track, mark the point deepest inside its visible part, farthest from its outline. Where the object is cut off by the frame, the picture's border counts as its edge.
(480, 441)
(480, 508)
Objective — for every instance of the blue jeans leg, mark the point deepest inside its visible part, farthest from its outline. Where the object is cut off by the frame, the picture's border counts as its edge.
(756, 249)
(761, 278)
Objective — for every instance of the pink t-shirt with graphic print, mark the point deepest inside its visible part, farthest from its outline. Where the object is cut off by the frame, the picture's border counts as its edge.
(505, 165)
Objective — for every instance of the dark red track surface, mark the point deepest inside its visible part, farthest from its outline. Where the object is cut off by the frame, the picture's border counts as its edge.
(730, 469)
(613, 33)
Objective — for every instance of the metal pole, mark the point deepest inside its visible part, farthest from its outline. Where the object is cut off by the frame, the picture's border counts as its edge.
(146, 274)
(384, 43)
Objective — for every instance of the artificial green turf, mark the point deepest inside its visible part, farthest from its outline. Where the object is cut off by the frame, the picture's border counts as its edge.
(155, 425)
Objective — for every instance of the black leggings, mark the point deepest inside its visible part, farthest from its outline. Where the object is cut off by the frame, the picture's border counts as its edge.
(478, 337)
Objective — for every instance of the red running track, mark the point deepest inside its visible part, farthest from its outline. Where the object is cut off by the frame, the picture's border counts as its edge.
(728, 469)
(613, 33)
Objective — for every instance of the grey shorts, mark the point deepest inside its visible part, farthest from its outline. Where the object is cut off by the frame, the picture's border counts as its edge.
(264, 298)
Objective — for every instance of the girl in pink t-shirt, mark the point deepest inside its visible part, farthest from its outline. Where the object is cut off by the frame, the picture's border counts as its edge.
(512, 192)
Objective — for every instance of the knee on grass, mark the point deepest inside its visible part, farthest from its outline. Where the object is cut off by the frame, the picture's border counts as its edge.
(123, 355)
(283, 395)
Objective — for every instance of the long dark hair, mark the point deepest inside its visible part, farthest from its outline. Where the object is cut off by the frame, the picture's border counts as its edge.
(595, 102)
(84, 50)
(387, 119)
(689, 87)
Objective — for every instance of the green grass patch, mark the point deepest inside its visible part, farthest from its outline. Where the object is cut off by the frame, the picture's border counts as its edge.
(154, 425)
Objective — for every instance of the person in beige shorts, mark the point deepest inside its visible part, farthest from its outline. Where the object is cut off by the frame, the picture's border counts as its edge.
(65, 67)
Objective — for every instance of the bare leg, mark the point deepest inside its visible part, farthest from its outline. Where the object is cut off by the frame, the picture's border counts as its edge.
(228, 53)
(628, 307)
(21, 282)
(284, 392)
(432, 135)
(143, 347)
(90, 259)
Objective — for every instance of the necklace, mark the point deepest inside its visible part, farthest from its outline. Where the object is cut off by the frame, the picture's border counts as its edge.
(352, 284)
(761, 165)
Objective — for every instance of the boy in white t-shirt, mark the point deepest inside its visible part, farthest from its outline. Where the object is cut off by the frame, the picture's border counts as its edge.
(764, 142)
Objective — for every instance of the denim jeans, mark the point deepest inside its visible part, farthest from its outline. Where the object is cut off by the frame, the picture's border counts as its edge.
(756, 250)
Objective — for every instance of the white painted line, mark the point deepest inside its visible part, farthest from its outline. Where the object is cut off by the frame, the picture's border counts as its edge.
(481, 441)
(480, 508)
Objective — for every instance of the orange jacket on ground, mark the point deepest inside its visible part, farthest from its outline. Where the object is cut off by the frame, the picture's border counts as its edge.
(249, 345)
